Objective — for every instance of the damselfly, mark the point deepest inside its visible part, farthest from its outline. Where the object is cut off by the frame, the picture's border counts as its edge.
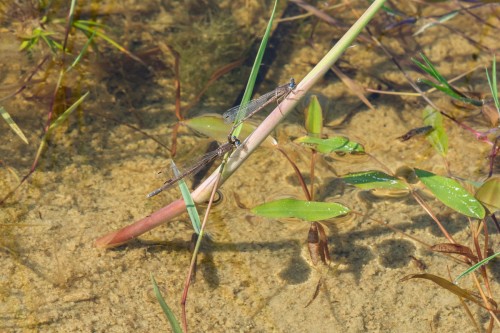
(240, 113)
(222, 150)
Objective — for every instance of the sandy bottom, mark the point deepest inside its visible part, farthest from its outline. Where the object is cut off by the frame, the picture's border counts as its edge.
(255, 274)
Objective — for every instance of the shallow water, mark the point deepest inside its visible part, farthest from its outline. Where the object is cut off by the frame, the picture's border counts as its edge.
(255, 274)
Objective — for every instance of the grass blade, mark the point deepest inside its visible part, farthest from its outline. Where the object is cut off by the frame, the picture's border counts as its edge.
(476, 266)
(443, 283)
(82, 52)
(12, 124)
(66, 113)
(492, 82)
(255, 68)
(440, 20)
(85, 27)
(188, 200)
(166, 310)
(56, 123)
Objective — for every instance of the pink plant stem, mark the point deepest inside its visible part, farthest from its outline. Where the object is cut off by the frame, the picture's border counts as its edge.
(162, 215)
(137, 228)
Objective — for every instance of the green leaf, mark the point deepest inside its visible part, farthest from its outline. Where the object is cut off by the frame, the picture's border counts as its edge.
(12, 124)
(89, 28)
(437, 21)
(431, 70)
(443, 85)
(58, 122)
(212, 125)
(314, 117)
(334, 144)
(305, 210)
(446, 89)
(188, 200)
(370, 180)
(166, 310)
(476, 266)
(66, 113)
(438, 137)
(451, 193)
(82, 52)
(492, 82)
(256, 66)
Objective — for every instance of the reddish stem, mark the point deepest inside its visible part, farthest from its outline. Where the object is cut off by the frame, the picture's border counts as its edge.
(131, 231)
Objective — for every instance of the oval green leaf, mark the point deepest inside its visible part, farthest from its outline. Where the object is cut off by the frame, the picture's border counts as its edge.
(314, 117)
(437, 137)
(370, 180)
(451, 193)
(305, 210)
(334, 144)
(213, 126)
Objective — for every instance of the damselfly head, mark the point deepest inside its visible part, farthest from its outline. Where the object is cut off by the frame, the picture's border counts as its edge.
(292, 84)
(234, 140)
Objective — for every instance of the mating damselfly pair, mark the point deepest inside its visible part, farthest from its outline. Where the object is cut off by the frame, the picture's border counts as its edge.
(237, 115)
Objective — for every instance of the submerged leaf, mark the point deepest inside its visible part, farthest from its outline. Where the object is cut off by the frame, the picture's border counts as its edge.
(313, 244)
(489, 194)
(6, 116)
(316, 292)
(314, 117)
(305, 210)
(212, 125)
(369, 180)
(451, 193)
(67, 113)
(455, 248)
(438, 137)
(323, 241)
(334, 144)
(430, 23)
(317, 243)
(450, 287)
